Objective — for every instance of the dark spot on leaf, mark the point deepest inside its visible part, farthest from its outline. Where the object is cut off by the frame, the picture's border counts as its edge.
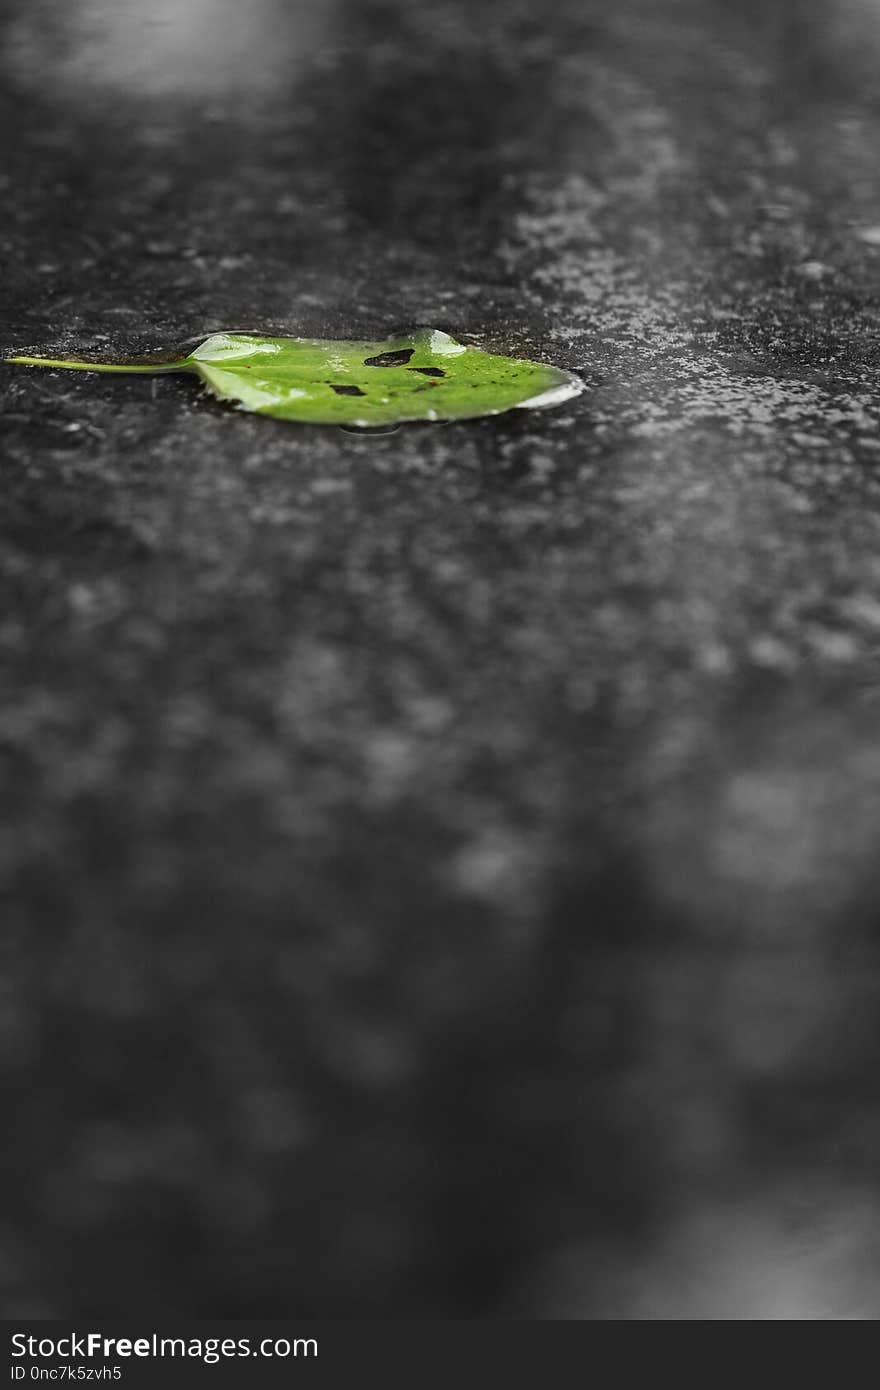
(428, 371)
(390, 359)
(347, 390)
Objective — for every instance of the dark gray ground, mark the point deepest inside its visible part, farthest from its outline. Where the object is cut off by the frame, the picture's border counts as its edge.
(441, 869)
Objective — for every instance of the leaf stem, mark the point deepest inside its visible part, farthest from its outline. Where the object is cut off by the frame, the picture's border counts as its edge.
(71, 364)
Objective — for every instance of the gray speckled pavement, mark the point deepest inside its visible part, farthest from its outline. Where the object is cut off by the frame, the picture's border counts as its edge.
(440, 869)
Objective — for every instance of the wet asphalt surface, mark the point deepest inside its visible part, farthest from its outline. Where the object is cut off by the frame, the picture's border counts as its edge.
(440, 869)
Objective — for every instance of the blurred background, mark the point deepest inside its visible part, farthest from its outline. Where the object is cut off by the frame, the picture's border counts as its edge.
(440, 870)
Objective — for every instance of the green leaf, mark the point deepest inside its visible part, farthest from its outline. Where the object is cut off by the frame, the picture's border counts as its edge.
(424, 375)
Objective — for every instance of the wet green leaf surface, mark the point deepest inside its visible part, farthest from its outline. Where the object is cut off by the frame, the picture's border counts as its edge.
(425, 375)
